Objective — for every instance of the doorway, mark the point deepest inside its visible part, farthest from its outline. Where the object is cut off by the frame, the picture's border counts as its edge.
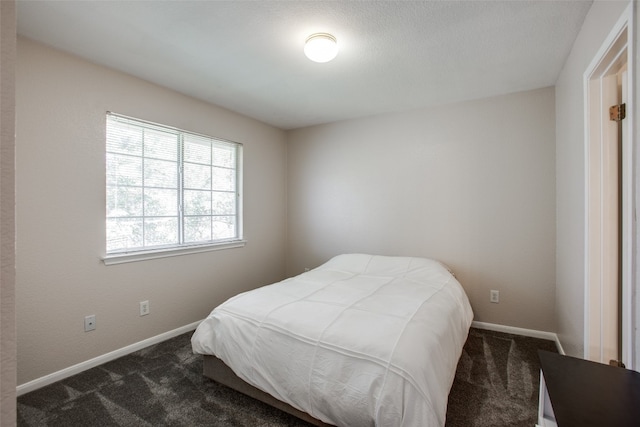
(609, 201)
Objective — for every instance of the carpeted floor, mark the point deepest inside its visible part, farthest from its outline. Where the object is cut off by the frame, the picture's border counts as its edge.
(496, 385)
(497, 381)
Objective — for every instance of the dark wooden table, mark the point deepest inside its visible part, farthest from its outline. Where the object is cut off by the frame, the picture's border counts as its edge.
(585, 393)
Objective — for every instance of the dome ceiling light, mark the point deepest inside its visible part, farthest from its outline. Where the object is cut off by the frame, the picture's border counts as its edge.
(321, 47)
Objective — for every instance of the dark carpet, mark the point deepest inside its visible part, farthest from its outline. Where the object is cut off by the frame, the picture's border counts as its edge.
(496, 385)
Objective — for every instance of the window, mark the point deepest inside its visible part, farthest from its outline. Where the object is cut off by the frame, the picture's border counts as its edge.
(169, 189)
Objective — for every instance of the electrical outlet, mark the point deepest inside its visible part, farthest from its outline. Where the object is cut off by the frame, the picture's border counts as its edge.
(144, 308)
(494, 296)
(90, 323)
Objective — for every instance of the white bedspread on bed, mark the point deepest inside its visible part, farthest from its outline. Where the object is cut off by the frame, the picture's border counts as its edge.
(361, 340)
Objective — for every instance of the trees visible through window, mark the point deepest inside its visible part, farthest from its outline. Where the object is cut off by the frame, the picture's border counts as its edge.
(168, 188)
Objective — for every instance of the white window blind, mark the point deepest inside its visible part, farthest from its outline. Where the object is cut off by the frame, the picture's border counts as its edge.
(168, 188)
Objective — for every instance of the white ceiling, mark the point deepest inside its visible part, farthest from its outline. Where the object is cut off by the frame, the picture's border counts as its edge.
(247, 55)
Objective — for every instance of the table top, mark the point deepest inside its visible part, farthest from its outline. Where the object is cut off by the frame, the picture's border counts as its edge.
(585, 393)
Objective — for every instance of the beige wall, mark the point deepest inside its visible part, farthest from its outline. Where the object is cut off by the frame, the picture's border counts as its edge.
(470, 184)
(636, 101)
(7, 214)
(570, 170)
(61, 105)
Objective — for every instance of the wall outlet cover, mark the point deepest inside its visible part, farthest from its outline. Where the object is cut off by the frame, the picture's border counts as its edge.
(144, 308)
(494, 296)
(90, 323)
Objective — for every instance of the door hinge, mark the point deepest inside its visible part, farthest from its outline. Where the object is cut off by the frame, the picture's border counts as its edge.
(617, 112)
(616, 363)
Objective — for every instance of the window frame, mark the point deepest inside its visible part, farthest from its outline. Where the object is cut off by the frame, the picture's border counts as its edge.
(180, 248)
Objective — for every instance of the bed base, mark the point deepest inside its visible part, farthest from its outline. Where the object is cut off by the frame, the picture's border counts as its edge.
(218, 371)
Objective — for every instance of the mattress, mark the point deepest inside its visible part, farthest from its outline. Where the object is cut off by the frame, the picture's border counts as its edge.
(362, 340)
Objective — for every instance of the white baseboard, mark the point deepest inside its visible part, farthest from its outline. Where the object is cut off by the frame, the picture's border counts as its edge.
(108, 357)
(520, 331)
(96, 361)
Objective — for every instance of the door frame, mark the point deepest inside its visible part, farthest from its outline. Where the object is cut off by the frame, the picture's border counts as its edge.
(617, 48)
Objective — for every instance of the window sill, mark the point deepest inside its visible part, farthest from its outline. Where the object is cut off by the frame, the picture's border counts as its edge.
(125, 257)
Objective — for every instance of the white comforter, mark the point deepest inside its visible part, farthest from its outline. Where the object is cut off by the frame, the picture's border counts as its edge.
(360, 341)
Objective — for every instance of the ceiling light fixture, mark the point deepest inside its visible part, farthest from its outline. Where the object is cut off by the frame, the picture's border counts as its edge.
(321, 47)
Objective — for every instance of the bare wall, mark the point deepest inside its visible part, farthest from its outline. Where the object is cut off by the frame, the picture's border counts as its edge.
(570, 167)
(636, 101)
(7, 214)
(470, 184)
(61, 105)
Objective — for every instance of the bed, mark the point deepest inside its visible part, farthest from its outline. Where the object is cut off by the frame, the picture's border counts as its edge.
(361, 340)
